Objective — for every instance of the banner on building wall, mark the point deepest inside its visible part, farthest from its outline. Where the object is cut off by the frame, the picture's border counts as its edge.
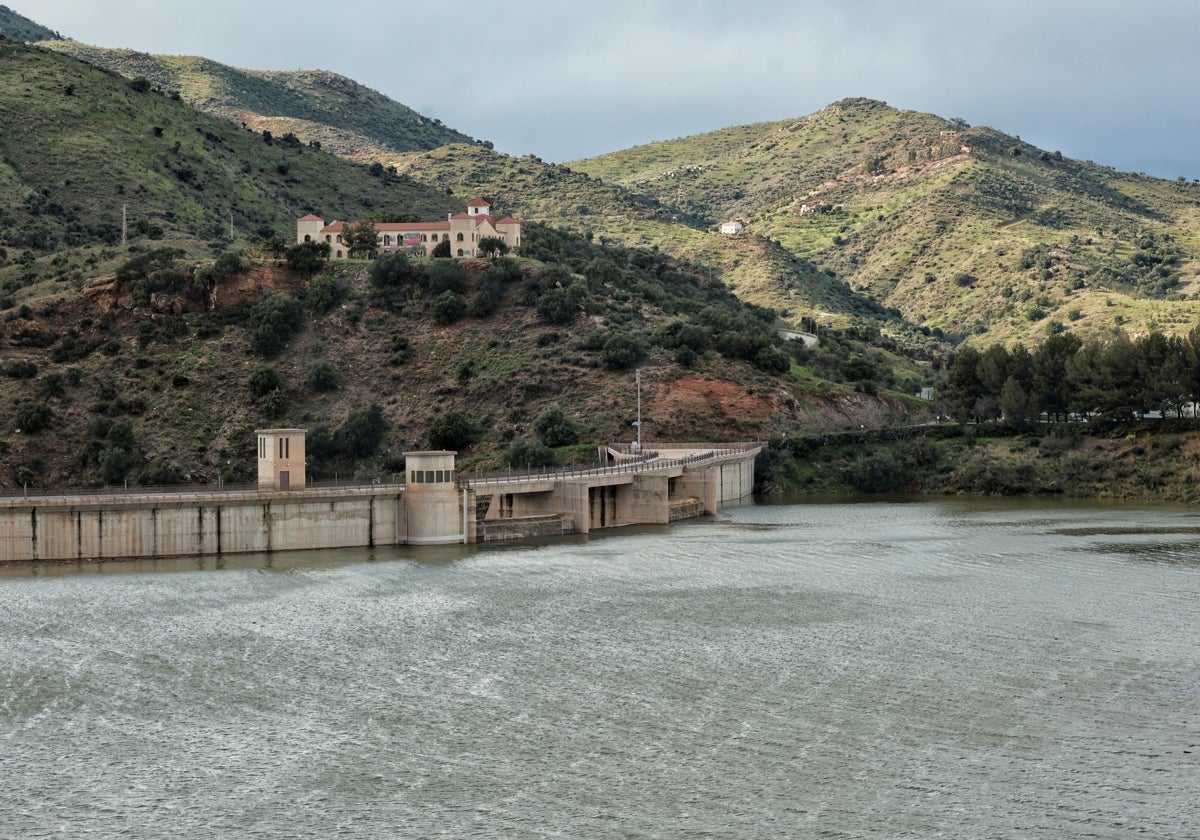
(411, 240)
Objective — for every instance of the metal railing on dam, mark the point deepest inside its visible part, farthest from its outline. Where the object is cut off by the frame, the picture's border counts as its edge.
(646, 461)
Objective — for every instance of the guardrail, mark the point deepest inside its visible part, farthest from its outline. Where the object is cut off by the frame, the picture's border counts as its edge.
(646, 461)
(648, 464)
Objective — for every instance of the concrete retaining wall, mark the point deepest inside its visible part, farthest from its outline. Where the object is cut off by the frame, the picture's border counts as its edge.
(102, 528)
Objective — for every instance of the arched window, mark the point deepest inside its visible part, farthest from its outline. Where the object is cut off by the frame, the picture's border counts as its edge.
(339, 254)
(307, 238)
(339, 238)
(328, 238)
(460, 251)
(387, 240)
(460, 237)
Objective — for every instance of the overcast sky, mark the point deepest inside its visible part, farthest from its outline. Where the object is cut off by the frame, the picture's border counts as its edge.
(1114, 82)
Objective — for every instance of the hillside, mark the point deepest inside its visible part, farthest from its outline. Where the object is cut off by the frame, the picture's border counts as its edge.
(81, 145)
(339, 114)
(16, 27)
(757, 269)
(161, 373)
(961, 228)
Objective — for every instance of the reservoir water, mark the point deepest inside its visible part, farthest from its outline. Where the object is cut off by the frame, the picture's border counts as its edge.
(932, 669)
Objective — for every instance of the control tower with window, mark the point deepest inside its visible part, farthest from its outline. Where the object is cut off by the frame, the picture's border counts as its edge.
(281, 459)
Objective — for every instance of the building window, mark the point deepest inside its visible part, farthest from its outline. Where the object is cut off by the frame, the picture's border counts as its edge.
(328, 238)
(460, 237)
(424, 238)
(307, 238)
(339, 255)
(339, 239)
(460, 252)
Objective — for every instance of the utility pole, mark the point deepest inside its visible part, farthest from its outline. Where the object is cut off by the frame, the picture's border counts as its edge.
(638, 423)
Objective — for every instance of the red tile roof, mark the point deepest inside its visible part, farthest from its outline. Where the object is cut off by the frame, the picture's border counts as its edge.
(478, 202)
(311, 218)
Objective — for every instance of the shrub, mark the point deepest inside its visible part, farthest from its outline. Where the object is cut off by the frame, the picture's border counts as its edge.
(362, 432)
(19, 369)
(554, 428)
(307, 257)
(273, 320)
(526, 455)
(448, 307)
(555, 307)
(321, 376)
(322, 294)
(485, 302)
(445, 276)
(31, 416)
(454, 430)
(264, 380)
(622, 351)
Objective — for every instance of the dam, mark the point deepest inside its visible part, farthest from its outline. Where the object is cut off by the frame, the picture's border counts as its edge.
(432, 505)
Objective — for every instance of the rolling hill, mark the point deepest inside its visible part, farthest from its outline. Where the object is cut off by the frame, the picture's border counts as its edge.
(961, 228)
(83, 146)
(16, 27)
(316, 106)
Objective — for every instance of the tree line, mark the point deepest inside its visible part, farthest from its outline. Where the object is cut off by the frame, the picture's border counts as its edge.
(1118, 378)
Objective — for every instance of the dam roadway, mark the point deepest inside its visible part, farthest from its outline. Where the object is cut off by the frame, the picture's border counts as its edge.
(432, 506)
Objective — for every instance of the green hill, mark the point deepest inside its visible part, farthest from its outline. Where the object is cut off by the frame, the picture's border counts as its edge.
(961, 228)
(149, 361)
(82, 146)
(16, 27)
(341, 115)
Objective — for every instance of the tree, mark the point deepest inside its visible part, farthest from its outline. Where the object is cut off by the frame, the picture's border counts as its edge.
(441, 250)
(622, 352)
(1015, 405)
(360, 239)
(962, 386)
(1051, 388)
(362, 432)
(454, 430)
(554, 428)
(273, 320)
(31, 416)
(525, 455)
(264, 380)
(448, 307)
(321, 376)
(492, 246)
(307, 257)
(445, 276)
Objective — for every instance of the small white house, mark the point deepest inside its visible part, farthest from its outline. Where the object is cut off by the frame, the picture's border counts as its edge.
(732, 228)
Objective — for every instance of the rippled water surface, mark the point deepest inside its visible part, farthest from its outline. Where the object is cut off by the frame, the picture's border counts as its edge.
(945, 669)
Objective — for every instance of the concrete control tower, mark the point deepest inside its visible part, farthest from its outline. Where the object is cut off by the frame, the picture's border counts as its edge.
(281, 459)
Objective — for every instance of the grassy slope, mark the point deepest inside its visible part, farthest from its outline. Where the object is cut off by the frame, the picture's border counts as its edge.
(16, 27)
(757, 269)
(68, 162)
(342, 115)
(928, 212)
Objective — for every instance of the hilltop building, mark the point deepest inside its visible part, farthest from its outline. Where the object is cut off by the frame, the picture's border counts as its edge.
(462, 230)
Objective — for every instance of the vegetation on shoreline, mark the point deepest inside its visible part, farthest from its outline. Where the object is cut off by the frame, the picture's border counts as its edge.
(1150, 461)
